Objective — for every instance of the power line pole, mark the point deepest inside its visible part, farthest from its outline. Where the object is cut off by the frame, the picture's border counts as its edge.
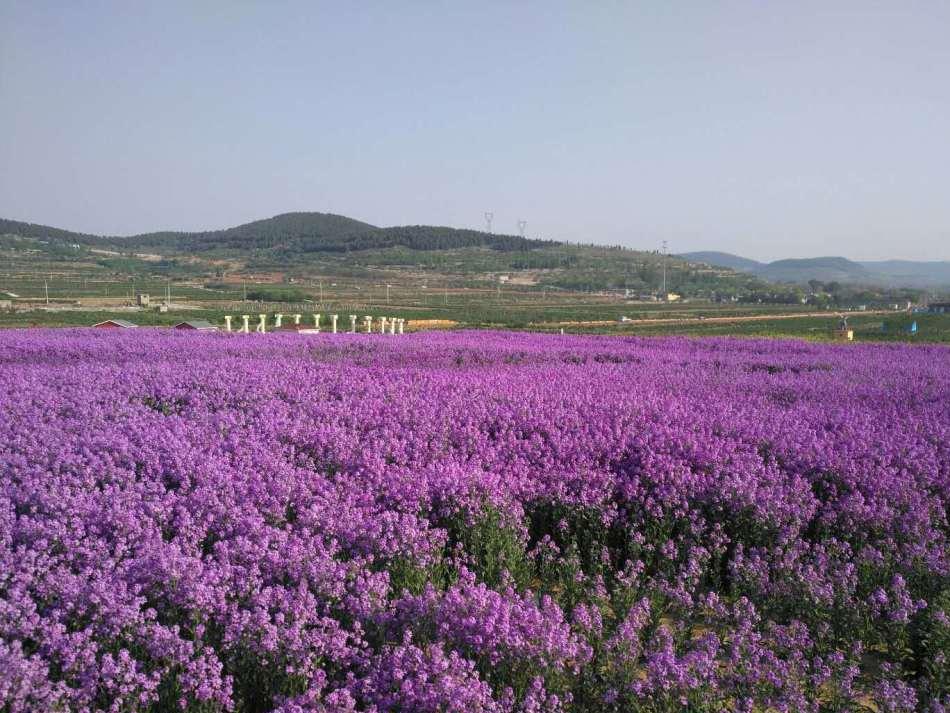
(664, 270)
(46, 290)
(489, 216)
(387, 293)
(522, 224)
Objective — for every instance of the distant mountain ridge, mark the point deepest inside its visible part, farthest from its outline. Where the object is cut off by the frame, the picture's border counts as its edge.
(883, 273)
(826, 269)
(289, 237)
(287, 232)
(720, 259)
(301, 245)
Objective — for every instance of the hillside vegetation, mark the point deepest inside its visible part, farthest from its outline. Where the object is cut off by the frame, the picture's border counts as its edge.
(288, 232)
(307, 244)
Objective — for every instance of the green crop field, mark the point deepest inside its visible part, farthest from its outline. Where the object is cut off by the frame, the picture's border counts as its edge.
(870, 328)
(573, 314)
(300, 263)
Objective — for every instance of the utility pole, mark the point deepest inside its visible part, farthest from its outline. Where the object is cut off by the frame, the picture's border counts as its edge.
(46, 290)
(664, 270)
(244, 284)
(387, 293)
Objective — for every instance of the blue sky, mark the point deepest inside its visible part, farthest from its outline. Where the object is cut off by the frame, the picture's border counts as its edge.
(762, 128)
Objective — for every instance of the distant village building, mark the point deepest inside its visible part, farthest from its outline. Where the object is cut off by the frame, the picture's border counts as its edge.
(199, 325)
(673, 297)
(115, 324)
(6, 304)
(939, 308)
(142, 299)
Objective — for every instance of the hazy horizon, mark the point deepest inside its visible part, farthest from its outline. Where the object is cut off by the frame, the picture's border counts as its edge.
(762, 130)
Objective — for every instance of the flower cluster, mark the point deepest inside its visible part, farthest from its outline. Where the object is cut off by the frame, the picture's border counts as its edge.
(494, 522)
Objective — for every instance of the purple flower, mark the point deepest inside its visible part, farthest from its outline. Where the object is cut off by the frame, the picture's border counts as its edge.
(470, 521)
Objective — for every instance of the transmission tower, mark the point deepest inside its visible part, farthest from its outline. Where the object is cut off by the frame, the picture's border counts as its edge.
(522, 224)
(489, 216)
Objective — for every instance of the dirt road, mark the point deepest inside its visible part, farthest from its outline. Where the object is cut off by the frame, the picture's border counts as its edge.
(711, 320)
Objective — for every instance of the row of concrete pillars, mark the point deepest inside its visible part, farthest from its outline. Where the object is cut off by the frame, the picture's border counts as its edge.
(394, 325)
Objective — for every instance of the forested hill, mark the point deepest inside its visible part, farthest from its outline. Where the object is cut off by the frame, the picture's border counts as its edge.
(287, 233)
(302, 245)
(284, 229)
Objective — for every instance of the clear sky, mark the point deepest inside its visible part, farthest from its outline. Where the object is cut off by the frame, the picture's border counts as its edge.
(768, 129)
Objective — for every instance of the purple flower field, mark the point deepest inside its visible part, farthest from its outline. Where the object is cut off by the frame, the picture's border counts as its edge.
(471, 522)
